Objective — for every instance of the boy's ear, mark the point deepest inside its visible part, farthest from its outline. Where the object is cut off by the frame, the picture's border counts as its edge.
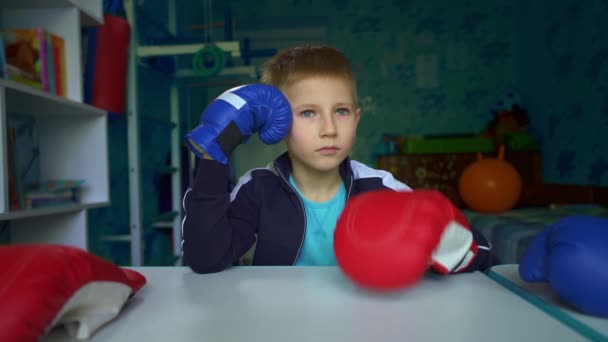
(357, 116)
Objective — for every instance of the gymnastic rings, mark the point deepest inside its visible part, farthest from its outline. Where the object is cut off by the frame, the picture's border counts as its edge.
(209, 60)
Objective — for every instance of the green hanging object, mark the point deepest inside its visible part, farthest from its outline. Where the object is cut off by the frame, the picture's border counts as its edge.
(209, 60)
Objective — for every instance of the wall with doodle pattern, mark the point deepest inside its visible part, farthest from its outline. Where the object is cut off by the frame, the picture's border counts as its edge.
(436, 67)
(562, 70)
(424, 67)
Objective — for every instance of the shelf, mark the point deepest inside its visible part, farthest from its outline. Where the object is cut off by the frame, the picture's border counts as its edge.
(167, 169)
(185, 49)
(64, 18)
(91, 11)
(164, 169)
(246, 70)
(164, 220)
(116, 238)
(163, 225)
(166, 216)
(19, 214)
(24, 99)
(68, 138)
(169, 124)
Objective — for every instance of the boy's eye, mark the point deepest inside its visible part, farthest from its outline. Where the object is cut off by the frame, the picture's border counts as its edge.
(342, 111)
(307, 113)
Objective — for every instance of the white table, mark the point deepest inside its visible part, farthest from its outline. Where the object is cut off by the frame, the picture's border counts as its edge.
(542, 296)
(320, 304)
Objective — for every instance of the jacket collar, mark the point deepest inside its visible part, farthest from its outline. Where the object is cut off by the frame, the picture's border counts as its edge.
(282, 165)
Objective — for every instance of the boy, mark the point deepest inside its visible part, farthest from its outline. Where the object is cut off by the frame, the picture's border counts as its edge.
(289, 209)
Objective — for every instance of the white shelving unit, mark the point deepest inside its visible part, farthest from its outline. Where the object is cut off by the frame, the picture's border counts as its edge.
(72, 135)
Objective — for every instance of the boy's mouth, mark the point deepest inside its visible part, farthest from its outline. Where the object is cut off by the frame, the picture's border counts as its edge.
(328, 150)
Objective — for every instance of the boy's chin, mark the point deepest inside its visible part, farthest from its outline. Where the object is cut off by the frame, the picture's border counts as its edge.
(327, 164)
(319, 163)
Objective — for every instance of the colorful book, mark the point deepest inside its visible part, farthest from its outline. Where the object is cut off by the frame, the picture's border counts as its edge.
(27, 57)
(27, 149)
(54, 192)
(60, 185)
(60, 71)
(50, 63)
(16, 198)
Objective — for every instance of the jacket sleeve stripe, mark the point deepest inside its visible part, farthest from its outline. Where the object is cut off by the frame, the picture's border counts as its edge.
(361, 171)
(245, 178)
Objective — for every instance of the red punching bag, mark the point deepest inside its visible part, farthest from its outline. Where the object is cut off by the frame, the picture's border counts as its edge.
(110, 69)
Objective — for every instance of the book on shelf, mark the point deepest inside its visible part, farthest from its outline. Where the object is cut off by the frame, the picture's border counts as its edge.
(53, 193)
(59, 64)
(50, 64)
(16, 199)
(36, 57)
(23, 147)
(28, 187)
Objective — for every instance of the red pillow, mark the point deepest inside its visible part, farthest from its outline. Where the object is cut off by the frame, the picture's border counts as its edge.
(43, 286)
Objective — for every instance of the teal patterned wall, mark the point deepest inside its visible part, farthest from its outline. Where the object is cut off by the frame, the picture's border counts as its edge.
(424, 67)
(436, 67)
(427, 67)
(563, 75)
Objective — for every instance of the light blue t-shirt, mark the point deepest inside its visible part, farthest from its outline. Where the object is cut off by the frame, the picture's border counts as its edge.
(321, 217)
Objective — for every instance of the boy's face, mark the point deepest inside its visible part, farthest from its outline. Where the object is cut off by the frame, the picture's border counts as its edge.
(325, 120)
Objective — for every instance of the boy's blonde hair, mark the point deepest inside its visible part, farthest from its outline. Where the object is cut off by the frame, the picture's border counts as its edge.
(296, 63)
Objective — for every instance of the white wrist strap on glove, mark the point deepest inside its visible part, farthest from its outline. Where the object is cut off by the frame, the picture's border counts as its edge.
(455, 250)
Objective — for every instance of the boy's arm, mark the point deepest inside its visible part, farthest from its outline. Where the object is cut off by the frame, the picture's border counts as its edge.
(461, 248)
(215, 231)
(483, 258)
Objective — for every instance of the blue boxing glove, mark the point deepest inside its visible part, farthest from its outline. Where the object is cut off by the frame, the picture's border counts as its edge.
(236, 115)
(572, 256)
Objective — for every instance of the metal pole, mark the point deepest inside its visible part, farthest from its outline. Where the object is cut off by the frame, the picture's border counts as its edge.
(135, 221)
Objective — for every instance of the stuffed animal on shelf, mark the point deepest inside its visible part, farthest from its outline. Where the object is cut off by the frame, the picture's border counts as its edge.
(509, 125)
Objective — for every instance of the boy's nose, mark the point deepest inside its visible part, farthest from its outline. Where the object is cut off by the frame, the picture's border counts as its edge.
(328, 126)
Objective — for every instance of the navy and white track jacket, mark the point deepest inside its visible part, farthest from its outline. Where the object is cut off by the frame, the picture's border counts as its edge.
(221, 225)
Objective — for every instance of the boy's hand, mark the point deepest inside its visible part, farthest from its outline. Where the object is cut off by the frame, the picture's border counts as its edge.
(387, 240)
(236, 115)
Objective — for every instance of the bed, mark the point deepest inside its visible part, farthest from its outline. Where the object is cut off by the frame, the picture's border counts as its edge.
(511, 232)
(541, 203)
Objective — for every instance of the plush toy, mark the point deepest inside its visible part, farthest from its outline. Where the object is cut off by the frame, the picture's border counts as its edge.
(510, 118)
(507, 103)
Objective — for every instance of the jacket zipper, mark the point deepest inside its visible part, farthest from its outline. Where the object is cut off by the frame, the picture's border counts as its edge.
(350, 187)
(303, 235)
(303, 213)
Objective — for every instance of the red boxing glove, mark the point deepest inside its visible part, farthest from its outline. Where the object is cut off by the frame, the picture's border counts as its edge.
(387, 240)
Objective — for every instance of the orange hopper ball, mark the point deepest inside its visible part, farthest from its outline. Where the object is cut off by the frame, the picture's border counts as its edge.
(490, 185)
